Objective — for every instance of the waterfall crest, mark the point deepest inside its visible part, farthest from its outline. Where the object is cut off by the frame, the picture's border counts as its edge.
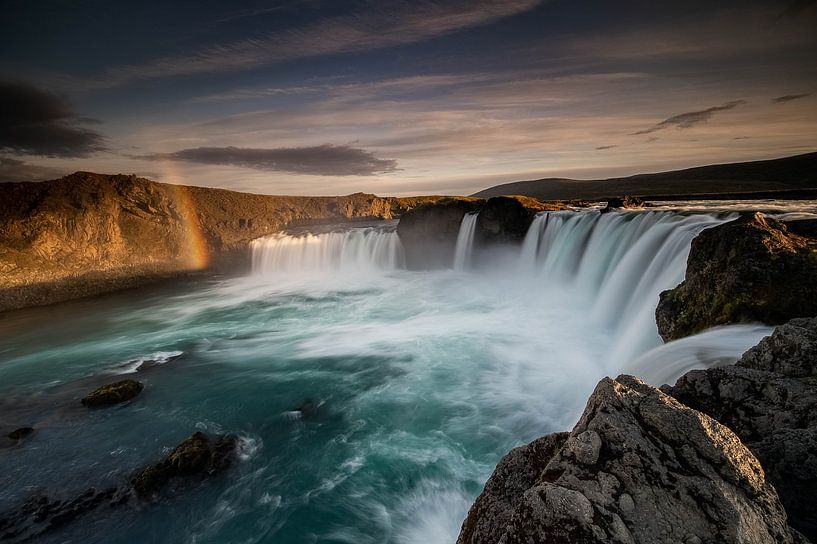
(465, 241)
(354, 249)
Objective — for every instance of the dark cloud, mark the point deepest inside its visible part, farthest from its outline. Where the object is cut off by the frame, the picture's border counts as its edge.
(691, 118)
(36, 122)
(603, 147)
(17, 170)
(789, 98)
(322, 160)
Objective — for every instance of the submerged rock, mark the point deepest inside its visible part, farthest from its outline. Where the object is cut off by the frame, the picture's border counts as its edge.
(769, 399)
(19, 434)
(750, 269)
(639, 467)
(194, 456)
(113, 393)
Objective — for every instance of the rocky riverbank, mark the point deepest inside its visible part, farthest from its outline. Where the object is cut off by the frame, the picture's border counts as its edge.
(88, 233)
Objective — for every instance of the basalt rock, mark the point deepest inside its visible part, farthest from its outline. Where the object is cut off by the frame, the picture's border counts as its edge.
(21, 433)
(769, 399)
(625, 201)
(751, 269)
(639, 467)
(429, 232)
(505, 219)
(113, 393)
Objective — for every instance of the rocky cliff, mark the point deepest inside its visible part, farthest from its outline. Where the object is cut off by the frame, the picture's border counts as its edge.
(89, 233)
(754, 268)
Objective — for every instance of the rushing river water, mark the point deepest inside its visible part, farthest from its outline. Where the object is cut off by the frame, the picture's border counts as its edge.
(416, 382)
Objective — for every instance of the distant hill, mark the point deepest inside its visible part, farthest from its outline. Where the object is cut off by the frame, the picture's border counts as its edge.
(791, 174)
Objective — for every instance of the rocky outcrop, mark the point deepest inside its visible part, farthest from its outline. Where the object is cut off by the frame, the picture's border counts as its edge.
(193, 458)
(751, 269)
(769, 399)
(429, 232)
(626, 201)
(639, 467)
(112, 393)
(90, 233)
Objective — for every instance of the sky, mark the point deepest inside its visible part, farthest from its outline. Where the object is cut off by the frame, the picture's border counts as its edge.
(398, 97)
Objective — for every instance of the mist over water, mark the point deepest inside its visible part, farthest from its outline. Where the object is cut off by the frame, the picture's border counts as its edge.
(422, 380)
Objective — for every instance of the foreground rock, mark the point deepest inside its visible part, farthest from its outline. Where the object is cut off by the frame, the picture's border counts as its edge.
(750, 269)
(113, 393)
(193, 458)
(769, 399)
(639, 467)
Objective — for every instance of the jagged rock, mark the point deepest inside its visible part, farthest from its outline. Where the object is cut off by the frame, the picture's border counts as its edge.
(19, 434)
(113, 393)
(639, 467)
(769, 399)
(429, 232)
(194, 456)
(748, 270)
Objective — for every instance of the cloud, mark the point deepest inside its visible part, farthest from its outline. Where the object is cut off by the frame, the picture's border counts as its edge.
(604, 147)
(382, 24)
(322, 160)
(691, 118)
(789, 98)
(17, 170)
(36, 122)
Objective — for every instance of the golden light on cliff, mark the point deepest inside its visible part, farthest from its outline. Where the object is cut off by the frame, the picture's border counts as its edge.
(196, 252)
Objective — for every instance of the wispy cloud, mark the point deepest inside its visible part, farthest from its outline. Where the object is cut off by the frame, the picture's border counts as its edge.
(789, 97)
(36, 122)
(18, 170)
(691, 118)
(382, 24)
(604, 147)
(323, 160)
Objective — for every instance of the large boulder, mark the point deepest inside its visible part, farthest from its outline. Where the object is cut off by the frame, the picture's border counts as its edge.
(112, 393)
(769, 399)
(506, 219)
(638, 467)
(747, 270)
(429, 232)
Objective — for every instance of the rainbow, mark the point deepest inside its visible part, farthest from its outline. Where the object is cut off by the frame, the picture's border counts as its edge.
(197, 252)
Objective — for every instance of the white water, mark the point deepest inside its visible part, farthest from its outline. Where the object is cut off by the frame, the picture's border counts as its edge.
(351, 250)
(465, 241)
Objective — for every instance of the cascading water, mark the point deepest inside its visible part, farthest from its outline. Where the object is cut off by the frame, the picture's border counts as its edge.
(353, 249)
(465, 241)
(619, 261)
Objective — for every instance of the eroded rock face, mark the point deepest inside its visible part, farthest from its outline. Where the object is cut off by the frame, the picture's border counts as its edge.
(429, 232)
(113, 393)
(750, 269)
(506, 219)
(769, 399)
(639, 467)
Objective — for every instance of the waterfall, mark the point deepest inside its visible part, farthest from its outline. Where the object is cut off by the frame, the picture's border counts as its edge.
(354, 249)
(620, 260)
(465, 241)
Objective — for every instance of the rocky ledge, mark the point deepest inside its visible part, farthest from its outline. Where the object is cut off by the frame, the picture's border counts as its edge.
(88, 233)
(752, 269)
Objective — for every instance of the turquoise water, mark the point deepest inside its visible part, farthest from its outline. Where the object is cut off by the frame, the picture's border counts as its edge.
(423, 380)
